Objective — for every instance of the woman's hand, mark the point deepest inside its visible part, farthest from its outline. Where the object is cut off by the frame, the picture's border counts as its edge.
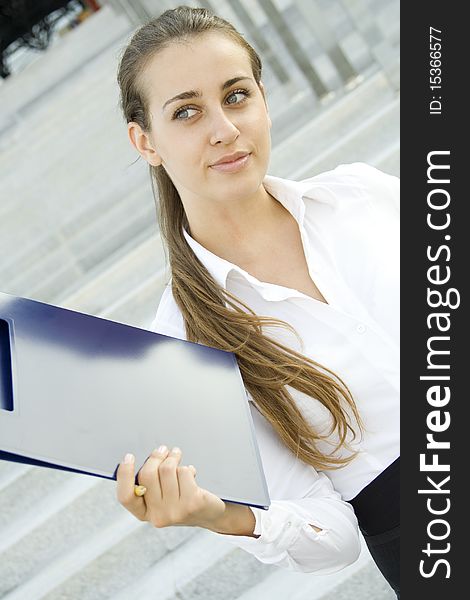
(172, 497)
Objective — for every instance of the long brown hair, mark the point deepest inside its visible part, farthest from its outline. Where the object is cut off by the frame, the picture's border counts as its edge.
(212, 315)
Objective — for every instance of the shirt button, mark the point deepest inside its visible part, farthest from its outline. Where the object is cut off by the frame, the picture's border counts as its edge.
(360, 328)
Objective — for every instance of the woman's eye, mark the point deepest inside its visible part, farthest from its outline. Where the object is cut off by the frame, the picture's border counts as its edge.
(181, 111)
(244, 92)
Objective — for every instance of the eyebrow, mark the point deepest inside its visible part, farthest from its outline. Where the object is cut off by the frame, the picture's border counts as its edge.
(198, 93)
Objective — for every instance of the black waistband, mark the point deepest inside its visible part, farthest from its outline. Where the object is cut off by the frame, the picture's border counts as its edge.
(377, 506)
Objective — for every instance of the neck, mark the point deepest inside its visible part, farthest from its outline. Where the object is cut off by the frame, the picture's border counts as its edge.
(238, 232)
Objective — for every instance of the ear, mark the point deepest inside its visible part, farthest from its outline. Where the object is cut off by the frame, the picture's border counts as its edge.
(143, 144)
(263, 91)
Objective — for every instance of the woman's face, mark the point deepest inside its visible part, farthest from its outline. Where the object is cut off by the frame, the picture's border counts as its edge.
(190, 134)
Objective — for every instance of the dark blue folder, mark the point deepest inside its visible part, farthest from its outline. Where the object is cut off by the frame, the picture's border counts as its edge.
(77, 392)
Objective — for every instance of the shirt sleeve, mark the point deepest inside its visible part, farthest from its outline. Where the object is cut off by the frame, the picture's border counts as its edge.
(300, 497)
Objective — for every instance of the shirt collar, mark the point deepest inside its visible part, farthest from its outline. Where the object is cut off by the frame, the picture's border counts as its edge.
(289, 194)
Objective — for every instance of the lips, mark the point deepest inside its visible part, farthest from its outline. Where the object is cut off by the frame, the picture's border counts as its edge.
(228, 158)
(232, 166)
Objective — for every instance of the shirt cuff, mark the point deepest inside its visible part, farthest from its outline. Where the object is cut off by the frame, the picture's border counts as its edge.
(288, 540)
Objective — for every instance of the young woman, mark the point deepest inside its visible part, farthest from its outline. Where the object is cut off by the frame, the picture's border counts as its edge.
(298, 279)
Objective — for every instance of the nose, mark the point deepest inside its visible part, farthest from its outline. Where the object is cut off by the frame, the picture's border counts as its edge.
(222, 128)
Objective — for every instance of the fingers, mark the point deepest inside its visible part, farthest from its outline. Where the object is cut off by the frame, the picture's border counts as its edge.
(160, 475)
(187, 482)
(125, 479)
(171, 490)
(125, 488)
(168, 476)
(148, 474)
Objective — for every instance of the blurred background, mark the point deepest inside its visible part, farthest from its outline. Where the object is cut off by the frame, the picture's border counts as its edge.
(78, 229)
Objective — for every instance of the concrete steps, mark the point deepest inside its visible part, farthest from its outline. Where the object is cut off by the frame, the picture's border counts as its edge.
(360, 580)
(59, 556)
(326, 132)
(366, 141)
(198, 565)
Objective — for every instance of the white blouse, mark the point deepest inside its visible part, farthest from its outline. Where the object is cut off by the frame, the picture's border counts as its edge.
(349, 223)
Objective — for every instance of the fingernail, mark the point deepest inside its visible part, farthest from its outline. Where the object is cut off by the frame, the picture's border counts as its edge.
(162, 449)
(129, 458)
(176, 450)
